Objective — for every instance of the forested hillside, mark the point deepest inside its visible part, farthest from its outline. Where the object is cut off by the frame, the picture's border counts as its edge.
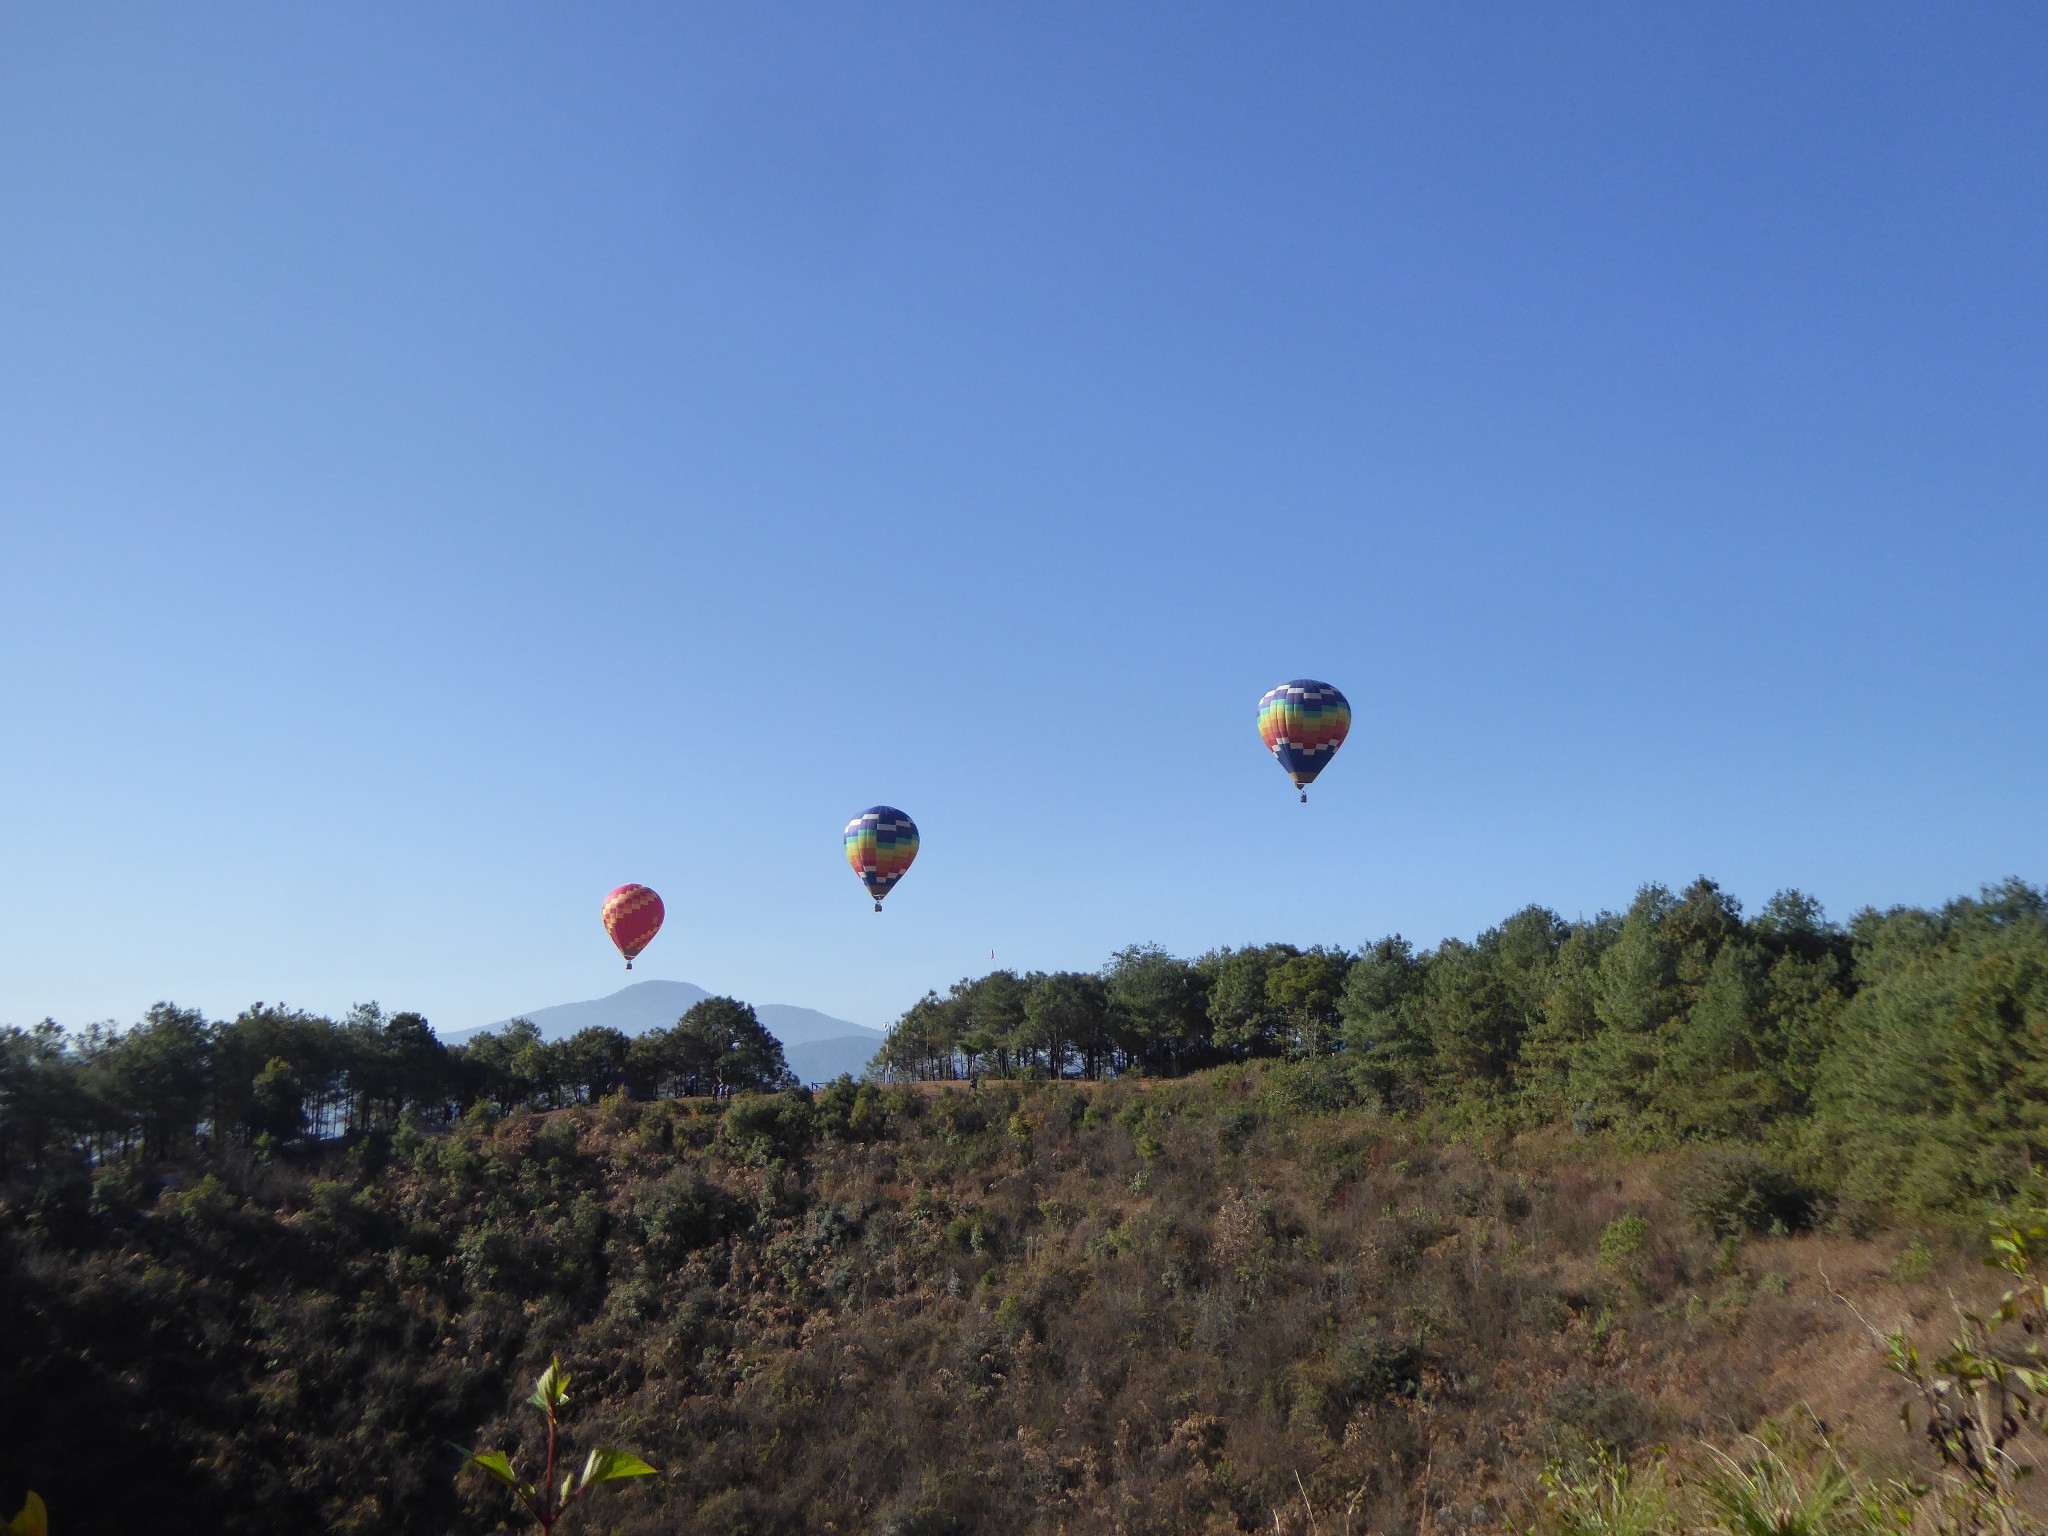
(1405, 1231)
(1899, 1059)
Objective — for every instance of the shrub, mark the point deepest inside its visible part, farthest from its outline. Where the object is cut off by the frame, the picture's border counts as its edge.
(1915, 1263)
(760, 1128)
(1374, 1366)
(1769, 1493)
(206, 1205)
(1733, 1190)
(558, 1140)
(619, 1114)
(1317, 1086)
(332, 1205)
(1235, 1124)
(1623, 1245)
(495, 1258)
(683, 1212)
(1604, 1497)
(867, 1119)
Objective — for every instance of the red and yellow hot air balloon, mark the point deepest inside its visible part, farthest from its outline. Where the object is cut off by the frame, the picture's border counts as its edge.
(632, 916)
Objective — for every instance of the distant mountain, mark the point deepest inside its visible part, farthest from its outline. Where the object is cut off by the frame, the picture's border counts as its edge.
(819, 1061)
(807, 1026)
(817, 1046)
(636, 1009)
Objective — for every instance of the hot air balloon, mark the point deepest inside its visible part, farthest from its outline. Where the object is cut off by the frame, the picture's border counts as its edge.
(632, 916)
(1303, 723)
(880, 843)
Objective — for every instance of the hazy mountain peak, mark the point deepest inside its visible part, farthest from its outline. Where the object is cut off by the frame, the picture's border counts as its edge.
(818, 1046)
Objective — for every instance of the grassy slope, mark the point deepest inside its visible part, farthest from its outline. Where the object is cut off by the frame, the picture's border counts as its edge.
(1030, 1309)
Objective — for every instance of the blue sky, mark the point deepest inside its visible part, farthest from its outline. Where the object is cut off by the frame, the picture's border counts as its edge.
(455, 459)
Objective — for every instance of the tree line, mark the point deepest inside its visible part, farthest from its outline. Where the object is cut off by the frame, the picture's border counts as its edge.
(273, 1076)
(1908, 1048)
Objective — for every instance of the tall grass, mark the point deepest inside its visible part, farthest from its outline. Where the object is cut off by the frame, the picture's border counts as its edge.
(1797, 1486)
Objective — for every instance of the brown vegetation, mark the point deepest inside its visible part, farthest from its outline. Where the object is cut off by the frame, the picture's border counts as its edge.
(1199, 1307)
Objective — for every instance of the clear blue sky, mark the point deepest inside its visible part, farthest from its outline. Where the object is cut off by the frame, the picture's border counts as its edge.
(457, 458)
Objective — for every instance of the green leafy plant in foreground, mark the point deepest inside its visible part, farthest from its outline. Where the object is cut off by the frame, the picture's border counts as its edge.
(1991, 1384)
(1604, 1497)
(1792, 1484)
(33, 1520)
(1798, 1489)
(548, 1501)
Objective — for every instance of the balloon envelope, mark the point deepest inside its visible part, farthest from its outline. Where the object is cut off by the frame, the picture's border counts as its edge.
(880, 843)
(632, 916)
(1303, 723)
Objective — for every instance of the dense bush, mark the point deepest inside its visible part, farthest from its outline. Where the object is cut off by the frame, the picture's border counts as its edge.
(1733, 1189)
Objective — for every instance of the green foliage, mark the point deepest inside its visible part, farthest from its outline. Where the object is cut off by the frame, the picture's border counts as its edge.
(1319, 1085)
(32, 1519)
(1733, 1190)
(1902, 1063)
(1983, 1401)
(1764, 1494)
(1555, 1050)
(1303, 992)
(1914, 1263)
(683, 1212)
(1711, 1056)
(1385, 1029)
(1244, 1018)
(547, 1501)
(1136, 1306)
(718, 1048)
(277, 1102)
(1483, 999)
(1791, 1484)
(1624, 1243)
(1067, 1014)
(1158, 1009)
(1934, 1086)
(762, 1128)
(207, 1205)
(1605, 1497)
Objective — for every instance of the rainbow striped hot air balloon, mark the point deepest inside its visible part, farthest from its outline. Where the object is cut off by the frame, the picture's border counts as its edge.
(1303, 723)
(880, 843)
(632, 916)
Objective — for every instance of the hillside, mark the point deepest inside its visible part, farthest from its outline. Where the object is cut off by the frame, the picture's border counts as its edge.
(817, 1046)
(1456, 1238)
(1115, 1308)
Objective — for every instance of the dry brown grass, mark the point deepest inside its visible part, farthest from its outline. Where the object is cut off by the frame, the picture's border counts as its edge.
(1101, 1310)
